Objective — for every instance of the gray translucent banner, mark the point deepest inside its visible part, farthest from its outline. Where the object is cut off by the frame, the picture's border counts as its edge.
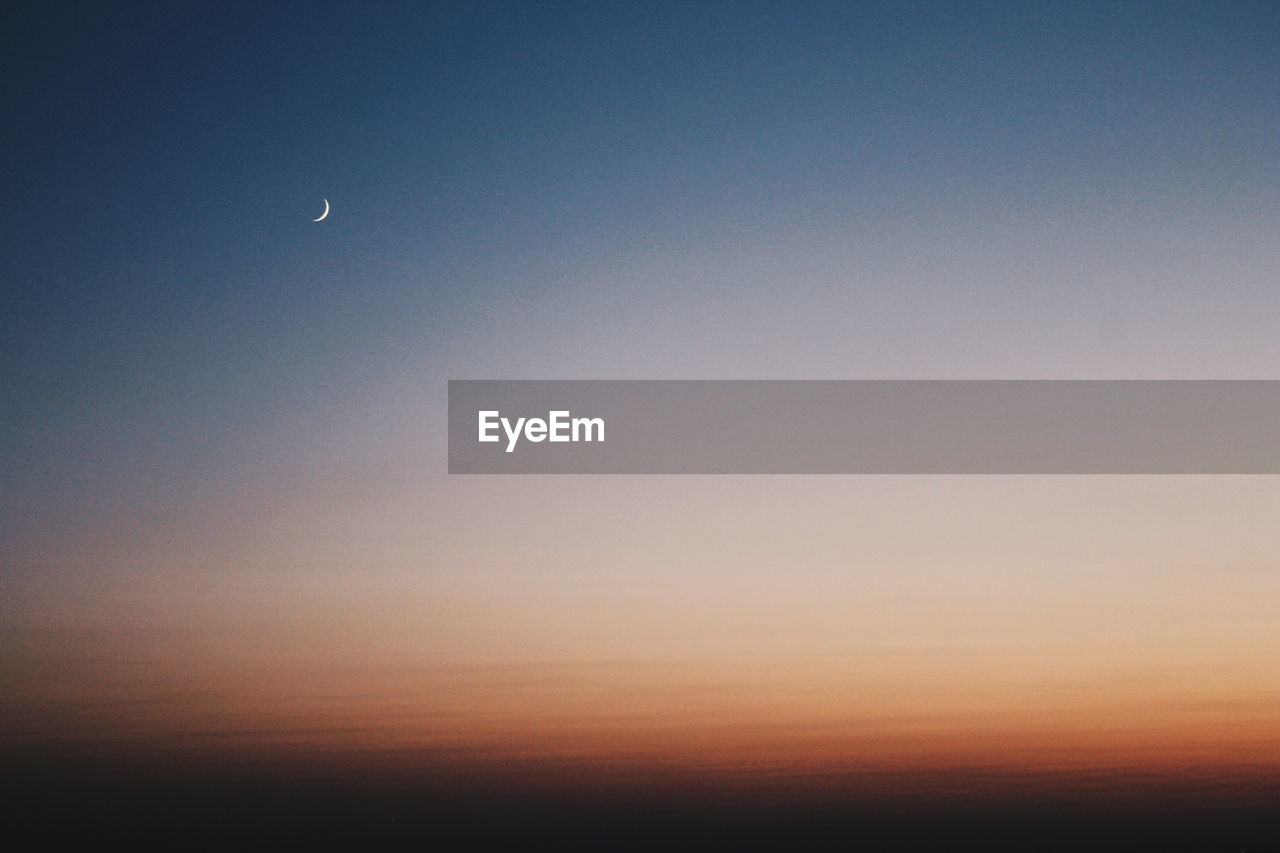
(864, 427)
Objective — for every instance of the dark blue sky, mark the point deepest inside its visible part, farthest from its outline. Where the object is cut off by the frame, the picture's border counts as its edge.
(685, 188)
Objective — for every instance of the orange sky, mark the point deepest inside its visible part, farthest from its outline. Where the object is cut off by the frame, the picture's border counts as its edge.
(737, 631)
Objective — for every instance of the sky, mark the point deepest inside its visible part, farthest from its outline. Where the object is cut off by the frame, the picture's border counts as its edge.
(227, 527)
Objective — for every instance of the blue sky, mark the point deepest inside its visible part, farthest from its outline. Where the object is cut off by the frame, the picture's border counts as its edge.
(737, 190)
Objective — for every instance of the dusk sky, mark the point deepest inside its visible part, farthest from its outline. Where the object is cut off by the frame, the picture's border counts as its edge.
(226, 530)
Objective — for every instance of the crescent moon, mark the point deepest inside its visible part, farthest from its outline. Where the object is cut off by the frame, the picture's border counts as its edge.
(326, 211)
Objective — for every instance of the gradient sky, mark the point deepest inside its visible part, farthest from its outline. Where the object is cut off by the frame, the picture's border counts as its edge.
(225, 518)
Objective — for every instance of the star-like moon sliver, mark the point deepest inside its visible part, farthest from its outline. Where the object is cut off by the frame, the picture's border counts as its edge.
(326, 211)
